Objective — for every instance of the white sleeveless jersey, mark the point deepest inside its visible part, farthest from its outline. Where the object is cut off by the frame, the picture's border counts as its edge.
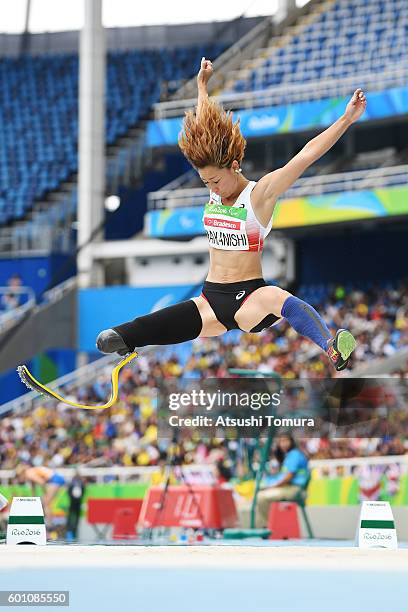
(234, 228)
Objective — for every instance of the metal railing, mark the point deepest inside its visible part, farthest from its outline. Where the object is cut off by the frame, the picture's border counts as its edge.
(57, 292)
(203, 473)
(331, 467)
(288, 93)
(10, 318)
(356, 180)
(100, 474)
(177, 198)
(32, 238)
(321, 467)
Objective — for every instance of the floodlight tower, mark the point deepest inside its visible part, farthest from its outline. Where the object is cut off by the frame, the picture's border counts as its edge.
(91, 141)
(285, 7)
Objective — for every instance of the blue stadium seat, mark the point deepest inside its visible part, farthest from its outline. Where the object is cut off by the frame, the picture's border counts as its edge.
(331, 38)
(39, 113)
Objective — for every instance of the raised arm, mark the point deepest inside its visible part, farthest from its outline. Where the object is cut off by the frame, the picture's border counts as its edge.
(203, 77)
(272, 185)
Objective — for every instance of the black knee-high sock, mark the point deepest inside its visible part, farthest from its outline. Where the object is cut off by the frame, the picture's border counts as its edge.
(170, 325)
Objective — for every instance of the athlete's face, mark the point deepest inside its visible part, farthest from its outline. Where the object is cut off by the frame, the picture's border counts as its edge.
(222, 181)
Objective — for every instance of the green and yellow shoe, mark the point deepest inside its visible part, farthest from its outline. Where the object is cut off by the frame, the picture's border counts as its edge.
(340, 348)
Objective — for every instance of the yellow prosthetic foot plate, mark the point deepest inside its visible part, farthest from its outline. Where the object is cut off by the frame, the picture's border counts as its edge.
(28, 379)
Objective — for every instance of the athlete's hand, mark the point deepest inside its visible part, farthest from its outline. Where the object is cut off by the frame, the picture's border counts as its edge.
(356, 107)
(206, 70)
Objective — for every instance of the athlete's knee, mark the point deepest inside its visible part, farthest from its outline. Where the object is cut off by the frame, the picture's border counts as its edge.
(171, 325)
(279, 297)
(109, 341)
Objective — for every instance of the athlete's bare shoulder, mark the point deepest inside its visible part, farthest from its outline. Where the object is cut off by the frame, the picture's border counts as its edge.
(261, 191)
(263, 203)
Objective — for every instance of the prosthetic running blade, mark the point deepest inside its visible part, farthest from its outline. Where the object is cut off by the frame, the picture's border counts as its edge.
(32, 383)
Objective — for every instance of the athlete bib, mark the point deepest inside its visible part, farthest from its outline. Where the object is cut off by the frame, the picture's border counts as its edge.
(234, 228)
(226, 227)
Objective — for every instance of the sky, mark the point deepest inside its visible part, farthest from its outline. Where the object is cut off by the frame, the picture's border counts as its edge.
(62, 15)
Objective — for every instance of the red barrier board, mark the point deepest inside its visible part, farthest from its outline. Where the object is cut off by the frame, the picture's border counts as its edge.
(208, 507)
(103, 510)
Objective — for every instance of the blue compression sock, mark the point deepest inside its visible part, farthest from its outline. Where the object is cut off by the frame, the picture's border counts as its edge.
(306, 321)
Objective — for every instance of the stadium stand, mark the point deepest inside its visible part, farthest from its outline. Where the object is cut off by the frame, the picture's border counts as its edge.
(127, 434)
(334, 41)
(350, 37)
(308, 57)
(130, 98)
(39, 113)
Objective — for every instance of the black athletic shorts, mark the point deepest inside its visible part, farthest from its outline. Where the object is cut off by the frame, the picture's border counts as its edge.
(226, 298)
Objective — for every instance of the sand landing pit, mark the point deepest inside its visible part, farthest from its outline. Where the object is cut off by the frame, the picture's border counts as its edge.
(210, 557)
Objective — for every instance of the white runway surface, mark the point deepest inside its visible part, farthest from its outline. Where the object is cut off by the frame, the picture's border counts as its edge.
(211, 578)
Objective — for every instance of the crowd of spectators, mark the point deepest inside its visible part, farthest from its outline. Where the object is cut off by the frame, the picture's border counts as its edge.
(126, 434)
(377, 317)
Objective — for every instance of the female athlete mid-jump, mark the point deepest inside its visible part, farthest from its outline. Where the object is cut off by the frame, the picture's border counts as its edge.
(237, 219)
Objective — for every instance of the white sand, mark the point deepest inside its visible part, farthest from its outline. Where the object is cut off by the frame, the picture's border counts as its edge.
(285, 557)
